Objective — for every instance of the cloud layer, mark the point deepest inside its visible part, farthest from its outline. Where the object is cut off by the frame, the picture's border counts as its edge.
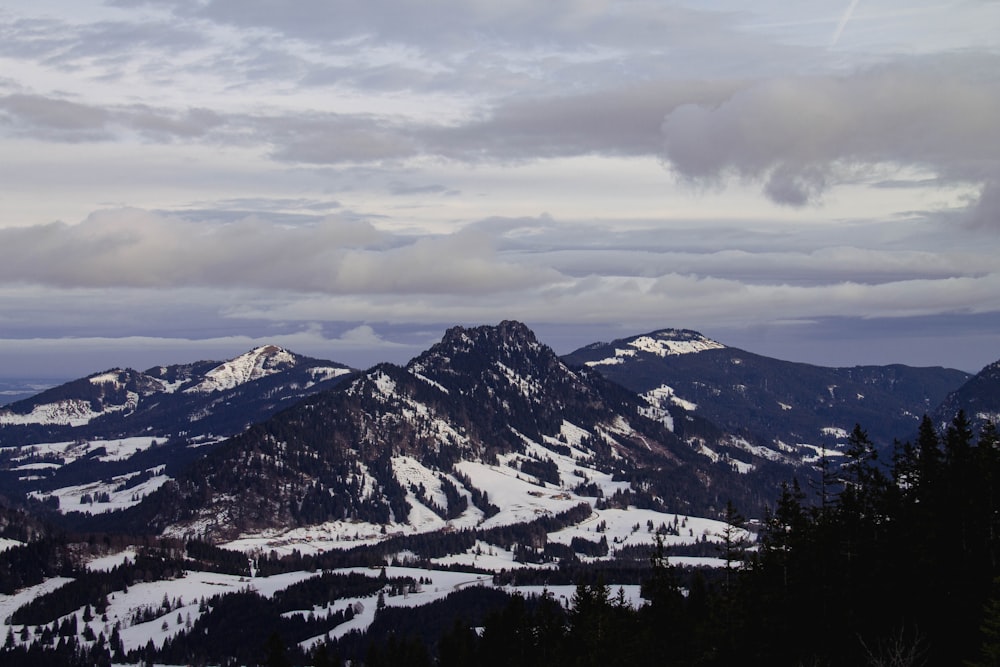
(368, 173)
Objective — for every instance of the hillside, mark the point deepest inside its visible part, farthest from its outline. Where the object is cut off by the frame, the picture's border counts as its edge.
(791, 409)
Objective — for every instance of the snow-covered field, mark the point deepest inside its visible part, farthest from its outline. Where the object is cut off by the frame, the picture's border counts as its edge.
(115, 450)
(186, 593)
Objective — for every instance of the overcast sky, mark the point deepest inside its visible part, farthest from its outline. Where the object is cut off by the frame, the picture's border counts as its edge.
(185, 179)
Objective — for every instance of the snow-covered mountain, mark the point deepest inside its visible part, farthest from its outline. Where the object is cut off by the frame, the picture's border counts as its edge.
(487, 427)
(783, 410)
(137, 400)
(102, 442)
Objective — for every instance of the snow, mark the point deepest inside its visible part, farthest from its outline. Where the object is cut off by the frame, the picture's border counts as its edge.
(519, 498)
(619, 527)
(323, 373)
(189, 589)
(70, 497)
(662, 396)
(111, 377)
(11, 603)
(314, 539)
(117, 449)
(835, 431)
(486, 556)
(666, 393)
(756, 450)
(528, 387)
(989, 416)
(7, 543)
(573, 433)
(819, 453)
(255, 364)
(111, 561)
(662, 344)
(385, 385)
(69, 412)
(429, 381)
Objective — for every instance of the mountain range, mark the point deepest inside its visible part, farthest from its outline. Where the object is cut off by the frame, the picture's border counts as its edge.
(185, 513)
(487, 427)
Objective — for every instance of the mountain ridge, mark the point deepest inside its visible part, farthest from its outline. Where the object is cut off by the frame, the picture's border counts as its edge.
(774, 403)
(486, 410)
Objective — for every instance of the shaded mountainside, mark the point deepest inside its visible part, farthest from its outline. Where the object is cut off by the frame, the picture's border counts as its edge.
(395, 442)
(979, 398)
(774, 403)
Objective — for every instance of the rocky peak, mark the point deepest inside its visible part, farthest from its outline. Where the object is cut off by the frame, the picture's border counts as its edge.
(509, 347)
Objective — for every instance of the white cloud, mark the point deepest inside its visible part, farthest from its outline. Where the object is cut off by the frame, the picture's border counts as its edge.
(133, 248)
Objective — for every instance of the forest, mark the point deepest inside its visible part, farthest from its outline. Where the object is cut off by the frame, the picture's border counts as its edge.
(887, 559)
(890, 560)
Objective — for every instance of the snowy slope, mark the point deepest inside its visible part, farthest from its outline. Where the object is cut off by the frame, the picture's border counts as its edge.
(255, 364)
(667, 342)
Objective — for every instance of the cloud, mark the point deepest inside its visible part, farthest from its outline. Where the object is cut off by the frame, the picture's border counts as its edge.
(334, 138)
(134, 248)
(55, 119)
(617, 120)
(800, 136)
(660, 137)
(985, 212)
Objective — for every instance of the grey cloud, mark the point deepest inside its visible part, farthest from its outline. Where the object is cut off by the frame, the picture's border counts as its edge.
(115, 39)
(66, 44)
(624, 120)
(985, 212)
(166, 125)
(456, 24)
(823, 266)
(401, 188)
(333, 138)
(797, 136)
(240, 208)
(646, 303)
(58, 119)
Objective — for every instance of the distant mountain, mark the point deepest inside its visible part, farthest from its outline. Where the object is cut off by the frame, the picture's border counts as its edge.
(789, 408)
(486, 427)
(130, 427)
(208, 397)
(979, 397)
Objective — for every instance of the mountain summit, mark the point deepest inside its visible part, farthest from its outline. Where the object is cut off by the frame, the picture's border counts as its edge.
(258, 363)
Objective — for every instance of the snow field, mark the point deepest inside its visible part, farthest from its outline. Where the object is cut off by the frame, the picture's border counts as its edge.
(70, 497)
(116, 450)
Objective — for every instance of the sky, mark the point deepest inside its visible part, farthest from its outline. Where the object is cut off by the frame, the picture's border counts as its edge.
(187, 179)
